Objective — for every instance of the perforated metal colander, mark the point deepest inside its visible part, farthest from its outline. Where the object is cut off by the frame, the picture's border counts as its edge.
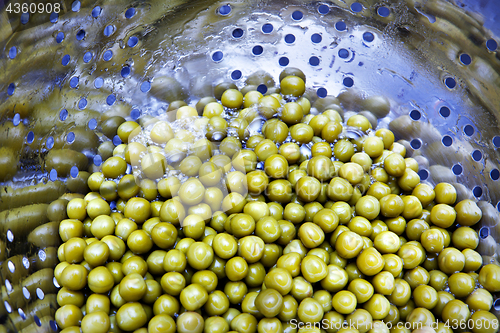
(62, 73)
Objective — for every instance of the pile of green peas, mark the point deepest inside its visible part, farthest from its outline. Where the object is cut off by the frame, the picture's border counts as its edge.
(295, 222)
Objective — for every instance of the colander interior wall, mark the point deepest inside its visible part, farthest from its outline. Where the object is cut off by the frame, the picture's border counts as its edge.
(62, 74)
